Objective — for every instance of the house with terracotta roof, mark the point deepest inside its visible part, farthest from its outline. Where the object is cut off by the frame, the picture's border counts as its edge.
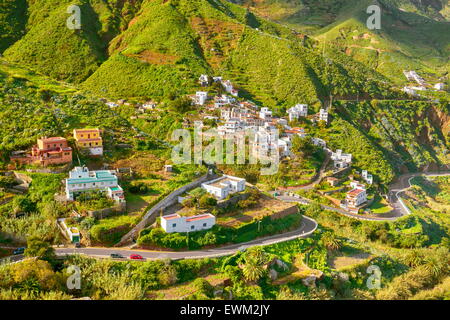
(355, 198)
(89, 139)
(47, 151)
(176, 223)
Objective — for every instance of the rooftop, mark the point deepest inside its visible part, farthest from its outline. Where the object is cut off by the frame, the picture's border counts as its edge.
(199, 217)
(355, 192)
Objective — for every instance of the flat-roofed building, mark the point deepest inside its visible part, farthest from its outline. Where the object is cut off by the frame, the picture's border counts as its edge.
(82, 180)
(223, 186)
(176, 223)
(89, 139)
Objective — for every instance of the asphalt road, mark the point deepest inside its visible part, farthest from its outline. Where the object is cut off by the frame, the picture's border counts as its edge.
(307, 227)
(402, 184)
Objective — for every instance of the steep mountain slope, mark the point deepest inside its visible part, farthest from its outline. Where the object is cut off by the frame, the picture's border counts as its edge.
(159, 48)
(50, 47)
(414, 33)
(12, 22)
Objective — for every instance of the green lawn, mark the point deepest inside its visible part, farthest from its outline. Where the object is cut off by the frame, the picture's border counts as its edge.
(380, 205)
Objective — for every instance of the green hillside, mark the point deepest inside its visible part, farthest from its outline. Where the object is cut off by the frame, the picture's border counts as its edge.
(12, 22)
(414, 34)
(50, 47)
(159, 48)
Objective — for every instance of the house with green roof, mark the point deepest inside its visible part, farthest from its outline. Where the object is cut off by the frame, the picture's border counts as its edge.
(82, 180)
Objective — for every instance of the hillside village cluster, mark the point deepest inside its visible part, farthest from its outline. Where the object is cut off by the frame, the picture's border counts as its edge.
(422, 84)
(236, 119)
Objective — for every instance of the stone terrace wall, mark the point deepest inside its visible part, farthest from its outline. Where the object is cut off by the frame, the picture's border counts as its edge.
(284, 213)
(171, 199)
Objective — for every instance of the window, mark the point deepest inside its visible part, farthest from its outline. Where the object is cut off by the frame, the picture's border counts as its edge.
(204, 224)
(192, 227)
(174, 225)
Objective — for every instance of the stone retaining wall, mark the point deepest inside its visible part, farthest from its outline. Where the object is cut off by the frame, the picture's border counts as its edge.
(171, 199)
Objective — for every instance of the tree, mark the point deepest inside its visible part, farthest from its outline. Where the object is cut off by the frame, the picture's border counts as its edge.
(207, 201)
(38, 247)
(330, 241)
(414, 258)
(168, 275)
(180, 105)
(302, 147)
(23, 204)
(254, 262)
(204, 287)
(87, 223)
(313, 209)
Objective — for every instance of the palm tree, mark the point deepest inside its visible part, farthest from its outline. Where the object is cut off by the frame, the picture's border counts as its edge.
(330, 241)
(252, 270)
(435, 266)
(254, 261)
(414, 258)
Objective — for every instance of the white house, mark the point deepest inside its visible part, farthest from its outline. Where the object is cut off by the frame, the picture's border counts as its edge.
(223, 100)
(265, 113)
(223, 186)
(355, 198)
(367, 177)
(341, 160)
(439, 86)
(203, 80)
(82, 180)
(112, 104)
(228, 86)
(356, 185)
(198, 124)
(284, 146)
(299, 110)
(231, 126)
(201, 97)
(72, 232)
(323, 115)
(176, 223)
(410, 91)
(413, 76)
(149, 105)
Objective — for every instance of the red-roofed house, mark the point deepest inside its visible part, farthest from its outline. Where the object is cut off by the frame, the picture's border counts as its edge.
(48, 151)
(176, 223)
(355, 198)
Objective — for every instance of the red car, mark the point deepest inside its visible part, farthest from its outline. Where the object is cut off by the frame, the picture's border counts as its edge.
(136, 257)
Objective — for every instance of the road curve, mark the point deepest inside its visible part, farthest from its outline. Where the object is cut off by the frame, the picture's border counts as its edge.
(402, 184)
(307, 227)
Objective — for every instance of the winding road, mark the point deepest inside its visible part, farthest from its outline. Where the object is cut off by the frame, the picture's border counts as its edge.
(307, 227)
(401, 184)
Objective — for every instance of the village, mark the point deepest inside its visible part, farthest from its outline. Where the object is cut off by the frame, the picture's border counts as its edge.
(421, 84)
(196, 208)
